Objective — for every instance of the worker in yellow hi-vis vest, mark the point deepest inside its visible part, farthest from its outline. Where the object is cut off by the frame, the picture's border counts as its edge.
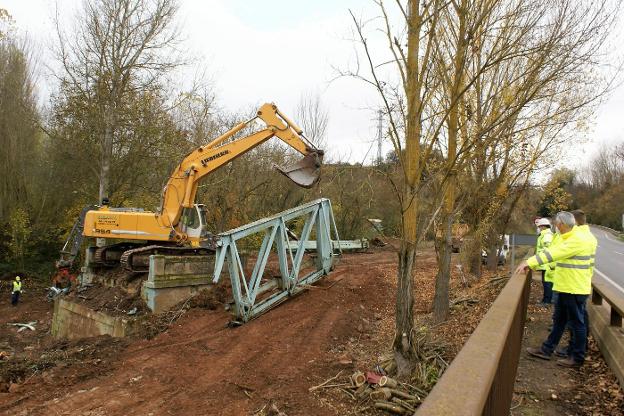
(17, 290)
(544, 239)
(574, 258)
(581, 225)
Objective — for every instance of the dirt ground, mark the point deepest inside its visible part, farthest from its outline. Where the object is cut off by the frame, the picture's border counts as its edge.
(199, 366)
(544, 388)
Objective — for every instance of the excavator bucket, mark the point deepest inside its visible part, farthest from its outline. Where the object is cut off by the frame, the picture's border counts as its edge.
(306, 172)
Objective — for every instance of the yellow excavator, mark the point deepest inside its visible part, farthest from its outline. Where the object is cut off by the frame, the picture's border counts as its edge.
(179, 226)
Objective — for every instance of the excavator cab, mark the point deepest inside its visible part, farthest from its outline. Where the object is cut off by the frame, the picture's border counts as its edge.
(194, 222)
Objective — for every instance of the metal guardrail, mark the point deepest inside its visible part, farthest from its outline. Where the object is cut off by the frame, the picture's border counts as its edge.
(344, 245)
(481, 378)
(602, 290)
(610, 230)
(607, 326)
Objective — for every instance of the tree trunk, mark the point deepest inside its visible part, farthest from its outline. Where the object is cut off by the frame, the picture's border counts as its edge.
(105, 161)
(107, 153)
(441, 296)
(404, 352)
(474, 256)
(492, 260)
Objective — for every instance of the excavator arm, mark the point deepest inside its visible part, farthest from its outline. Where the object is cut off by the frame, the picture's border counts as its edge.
(179, 193)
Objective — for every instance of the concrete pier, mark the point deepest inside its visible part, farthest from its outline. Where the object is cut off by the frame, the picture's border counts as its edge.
(172, 279)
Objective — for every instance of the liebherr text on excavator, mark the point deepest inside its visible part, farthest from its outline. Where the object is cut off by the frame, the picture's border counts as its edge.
(179, 227)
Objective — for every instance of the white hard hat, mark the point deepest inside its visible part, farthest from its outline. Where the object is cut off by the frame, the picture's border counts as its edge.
(543, 221)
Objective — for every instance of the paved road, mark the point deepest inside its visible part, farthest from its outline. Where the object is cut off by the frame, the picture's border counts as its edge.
(609, 258)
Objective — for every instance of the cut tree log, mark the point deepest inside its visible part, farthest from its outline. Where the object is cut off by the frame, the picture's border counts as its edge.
(391, 407)
(358, 378)
(408, 406)
(363, 391)
(381, 394)
(402, 394)
(386, 381)
(390, 367)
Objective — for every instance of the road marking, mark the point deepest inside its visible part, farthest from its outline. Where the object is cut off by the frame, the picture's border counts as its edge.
(610, 237)
(618, 252)
(604, 276)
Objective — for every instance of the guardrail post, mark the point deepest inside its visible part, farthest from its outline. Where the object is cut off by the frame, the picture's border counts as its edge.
(596, 298)
(616, 318)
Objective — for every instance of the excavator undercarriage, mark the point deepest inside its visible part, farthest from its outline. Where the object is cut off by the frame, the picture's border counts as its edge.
(134, 257)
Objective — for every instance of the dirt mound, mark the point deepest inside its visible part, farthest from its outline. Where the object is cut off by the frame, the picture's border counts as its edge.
(209, 298)
(62, 354)
(110, 300)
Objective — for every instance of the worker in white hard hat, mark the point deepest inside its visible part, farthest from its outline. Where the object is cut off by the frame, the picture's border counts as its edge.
(544, 240)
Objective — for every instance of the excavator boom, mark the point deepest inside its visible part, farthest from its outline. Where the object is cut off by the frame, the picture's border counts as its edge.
(182, 185)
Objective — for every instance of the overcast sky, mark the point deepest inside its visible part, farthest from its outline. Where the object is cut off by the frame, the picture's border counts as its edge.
(277, 50)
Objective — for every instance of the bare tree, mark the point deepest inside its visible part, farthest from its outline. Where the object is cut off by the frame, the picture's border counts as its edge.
(312, 118)
(116, 48)
(471, 76)
(539, 59)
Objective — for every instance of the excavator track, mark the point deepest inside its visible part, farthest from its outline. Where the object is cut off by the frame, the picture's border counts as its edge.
(110, 255)
(137, 260)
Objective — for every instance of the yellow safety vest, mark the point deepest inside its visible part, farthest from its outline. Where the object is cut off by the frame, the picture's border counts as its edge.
(544, 239)
(17, 286)
(585, 229)
(574, 261)
(551, 271)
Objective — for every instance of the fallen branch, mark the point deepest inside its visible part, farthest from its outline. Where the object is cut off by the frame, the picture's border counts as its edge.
(321, 287)
(518, 405)
(179, 312)
(29, 325)
(349, 393)
(325, 382)
(469, 301)
(329, 386)
(363, 391)
(241, 386)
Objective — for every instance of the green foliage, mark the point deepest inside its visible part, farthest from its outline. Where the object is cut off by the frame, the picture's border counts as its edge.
(20, 231)
(556, 198)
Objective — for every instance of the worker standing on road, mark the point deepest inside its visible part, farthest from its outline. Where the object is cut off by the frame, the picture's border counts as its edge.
(574, 265)
(544, 239)
(17, 290)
